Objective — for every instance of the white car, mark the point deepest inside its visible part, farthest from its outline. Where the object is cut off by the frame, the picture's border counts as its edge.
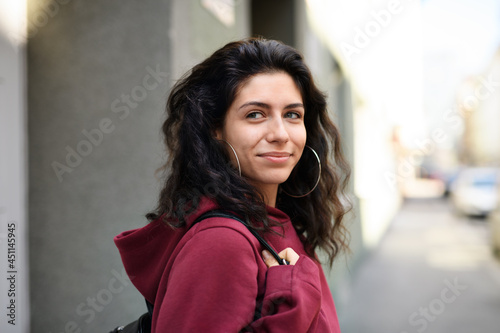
(475, 191)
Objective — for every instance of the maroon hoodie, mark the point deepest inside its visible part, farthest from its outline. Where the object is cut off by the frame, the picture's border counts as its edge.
(211, 278)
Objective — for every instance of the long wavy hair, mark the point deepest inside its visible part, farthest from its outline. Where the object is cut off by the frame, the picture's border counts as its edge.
(198, 164)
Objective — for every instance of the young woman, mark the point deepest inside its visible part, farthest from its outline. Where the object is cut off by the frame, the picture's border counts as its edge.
(247, 131)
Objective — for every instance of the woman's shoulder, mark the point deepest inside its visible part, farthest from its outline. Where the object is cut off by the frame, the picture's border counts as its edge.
(215, 244)
(221, 231)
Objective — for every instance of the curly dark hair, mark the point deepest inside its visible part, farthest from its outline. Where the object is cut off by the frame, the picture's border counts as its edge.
(198, 164)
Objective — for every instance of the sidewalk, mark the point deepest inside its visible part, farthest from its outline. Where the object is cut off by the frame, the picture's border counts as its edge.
(432, 272)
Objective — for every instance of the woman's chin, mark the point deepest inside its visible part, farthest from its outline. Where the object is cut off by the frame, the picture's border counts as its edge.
(268, 182)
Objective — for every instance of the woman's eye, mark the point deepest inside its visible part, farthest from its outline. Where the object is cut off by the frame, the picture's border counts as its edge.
(293, 115)
(254, 115)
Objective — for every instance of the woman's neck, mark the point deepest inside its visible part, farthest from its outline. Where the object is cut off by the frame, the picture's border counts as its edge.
(269, 191)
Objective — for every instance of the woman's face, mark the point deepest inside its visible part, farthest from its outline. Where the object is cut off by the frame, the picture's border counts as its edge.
(265, 125)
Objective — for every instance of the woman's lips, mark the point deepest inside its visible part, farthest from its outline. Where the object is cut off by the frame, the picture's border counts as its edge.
(276, 157)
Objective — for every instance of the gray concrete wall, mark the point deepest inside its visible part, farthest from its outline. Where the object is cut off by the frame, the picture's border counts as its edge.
(99, 73)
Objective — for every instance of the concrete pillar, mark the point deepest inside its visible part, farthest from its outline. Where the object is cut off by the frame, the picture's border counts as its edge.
(98, 74)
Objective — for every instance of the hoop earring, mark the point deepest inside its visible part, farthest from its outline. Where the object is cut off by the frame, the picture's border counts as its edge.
(317, 181)
(235, 155)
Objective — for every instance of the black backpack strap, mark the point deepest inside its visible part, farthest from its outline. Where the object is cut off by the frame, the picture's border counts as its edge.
(225, 214)
(150, 308)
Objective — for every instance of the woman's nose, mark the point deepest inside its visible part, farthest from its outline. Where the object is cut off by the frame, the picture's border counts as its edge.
(277, 131)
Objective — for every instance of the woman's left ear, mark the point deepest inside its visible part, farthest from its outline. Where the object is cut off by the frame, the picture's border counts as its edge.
(217, 134)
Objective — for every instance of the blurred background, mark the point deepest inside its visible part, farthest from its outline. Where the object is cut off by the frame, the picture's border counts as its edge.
(414, 87)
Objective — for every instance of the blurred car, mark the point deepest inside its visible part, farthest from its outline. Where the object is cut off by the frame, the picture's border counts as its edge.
(475, 191)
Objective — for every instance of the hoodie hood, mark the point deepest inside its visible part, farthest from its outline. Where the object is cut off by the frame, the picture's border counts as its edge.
(146, 251)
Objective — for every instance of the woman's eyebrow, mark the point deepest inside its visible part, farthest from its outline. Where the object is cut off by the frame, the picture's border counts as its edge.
(294, 105)
(267, 106)
(255, 103)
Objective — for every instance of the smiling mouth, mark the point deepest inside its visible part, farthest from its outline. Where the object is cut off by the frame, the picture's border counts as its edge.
(276, 157)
